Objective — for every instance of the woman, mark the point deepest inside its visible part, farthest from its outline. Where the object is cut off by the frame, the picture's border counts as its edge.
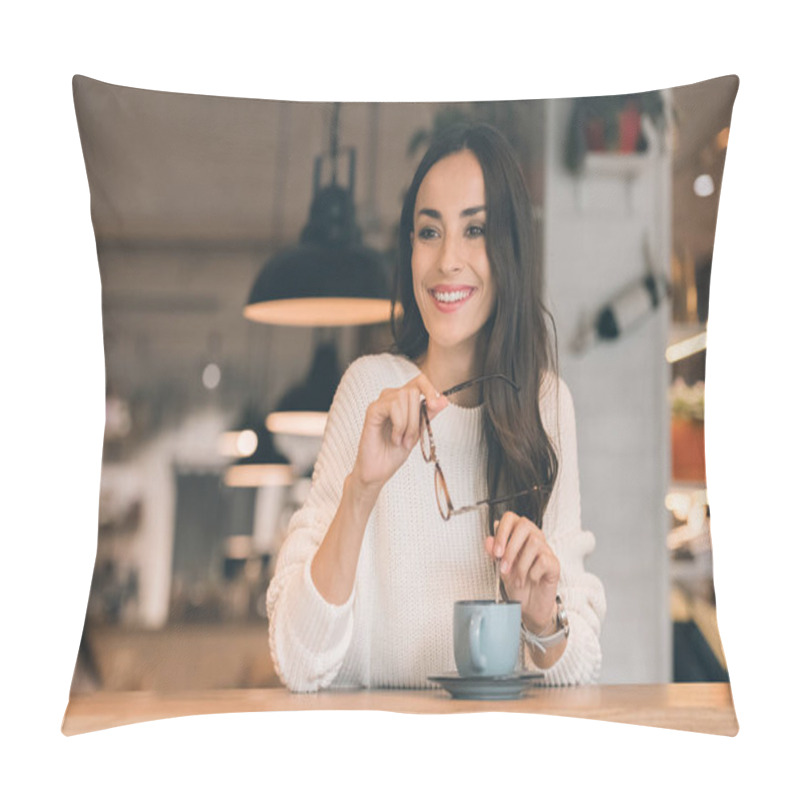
(365, 582)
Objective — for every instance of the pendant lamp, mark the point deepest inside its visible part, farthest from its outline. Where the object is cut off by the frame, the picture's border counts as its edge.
(241, 440)
(303, 410)
(330, 278)
(264, 466)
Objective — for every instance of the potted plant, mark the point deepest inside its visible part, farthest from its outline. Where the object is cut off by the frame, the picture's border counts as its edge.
(688, 431)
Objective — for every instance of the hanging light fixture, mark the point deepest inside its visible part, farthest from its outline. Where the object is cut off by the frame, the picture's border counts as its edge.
(257, 461)
(241, 440)
(265, 466)
(303, 410)
(330, 278)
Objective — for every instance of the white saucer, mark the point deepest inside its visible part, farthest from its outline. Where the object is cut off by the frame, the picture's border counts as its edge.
(502, 687)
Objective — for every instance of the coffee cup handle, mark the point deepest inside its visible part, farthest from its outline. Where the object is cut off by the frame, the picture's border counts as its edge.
(478, 658)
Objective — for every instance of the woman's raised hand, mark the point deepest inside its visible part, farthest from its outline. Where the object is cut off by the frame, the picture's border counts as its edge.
(530, 570)
(391, 429)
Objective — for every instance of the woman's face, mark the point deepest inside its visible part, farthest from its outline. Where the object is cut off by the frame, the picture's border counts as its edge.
(450, 269)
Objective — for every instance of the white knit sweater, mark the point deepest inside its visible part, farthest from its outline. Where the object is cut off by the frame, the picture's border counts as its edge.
(395, 629)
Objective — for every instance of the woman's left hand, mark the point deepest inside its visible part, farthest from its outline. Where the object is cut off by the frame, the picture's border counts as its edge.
(528, 567)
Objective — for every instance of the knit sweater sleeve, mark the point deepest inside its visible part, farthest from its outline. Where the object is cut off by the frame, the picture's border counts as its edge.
(581, 592)
(308, 636)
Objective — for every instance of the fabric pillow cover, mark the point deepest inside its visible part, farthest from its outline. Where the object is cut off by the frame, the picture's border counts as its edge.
(191, 195)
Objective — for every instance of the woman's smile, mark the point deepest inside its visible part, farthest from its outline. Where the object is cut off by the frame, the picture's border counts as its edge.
(448, 299)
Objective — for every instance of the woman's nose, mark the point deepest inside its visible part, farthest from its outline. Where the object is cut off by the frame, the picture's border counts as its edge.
(450, 260)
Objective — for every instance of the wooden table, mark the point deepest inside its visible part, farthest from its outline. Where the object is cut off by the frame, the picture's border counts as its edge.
(700, 707)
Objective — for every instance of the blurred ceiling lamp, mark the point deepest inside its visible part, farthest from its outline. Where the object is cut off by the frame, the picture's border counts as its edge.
(238, 444)
(211, 375)
(303, 410)
(265, 466)
(330, 278)
(241, 440)
(686, 347)
(703, 185)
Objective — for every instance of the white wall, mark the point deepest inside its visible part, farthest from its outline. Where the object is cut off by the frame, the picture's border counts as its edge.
(594, 229)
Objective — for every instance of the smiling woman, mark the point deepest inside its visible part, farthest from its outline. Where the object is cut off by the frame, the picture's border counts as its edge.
(449, 263)
(365, 583)
(514, 337)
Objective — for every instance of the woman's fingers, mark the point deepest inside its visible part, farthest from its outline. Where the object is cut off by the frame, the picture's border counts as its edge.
(391, 430)
(529, 568)
(502, 532)
(526, 557)
(412, 428)
(536, 563)
(400, 408)
(398, 413)
(433, 399)
(524, 552)
(545, 568)
(522, 534)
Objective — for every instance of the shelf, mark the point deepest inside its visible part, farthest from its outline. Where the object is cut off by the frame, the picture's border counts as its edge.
(620, 165)
(681, 331)
(686, 487)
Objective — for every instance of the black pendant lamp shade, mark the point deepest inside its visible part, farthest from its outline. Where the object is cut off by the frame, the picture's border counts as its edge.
(303, 410)
(330, 278)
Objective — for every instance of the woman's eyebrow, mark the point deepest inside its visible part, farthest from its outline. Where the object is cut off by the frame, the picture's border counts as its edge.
(467, 212)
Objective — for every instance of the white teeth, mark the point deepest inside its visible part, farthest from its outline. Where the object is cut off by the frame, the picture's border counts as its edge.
(451, 297)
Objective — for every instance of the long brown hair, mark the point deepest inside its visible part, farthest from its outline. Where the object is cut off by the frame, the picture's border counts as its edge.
(516, 339)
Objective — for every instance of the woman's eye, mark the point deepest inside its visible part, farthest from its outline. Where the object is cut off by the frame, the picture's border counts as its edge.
(426, 233)
(475, 230)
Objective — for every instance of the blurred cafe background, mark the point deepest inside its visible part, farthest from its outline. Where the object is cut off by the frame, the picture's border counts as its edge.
(228, 232)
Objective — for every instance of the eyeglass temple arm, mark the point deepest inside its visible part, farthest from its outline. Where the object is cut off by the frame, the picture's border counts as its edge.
(490, 502)
(473, 381)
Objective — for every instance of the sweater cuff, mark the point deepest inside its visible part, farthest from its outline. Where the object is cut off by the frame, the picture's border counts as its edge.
(319, 625)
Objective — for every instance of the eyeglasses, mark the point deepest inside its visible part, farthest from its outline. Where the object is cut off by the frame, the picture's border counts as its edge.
(428, 448)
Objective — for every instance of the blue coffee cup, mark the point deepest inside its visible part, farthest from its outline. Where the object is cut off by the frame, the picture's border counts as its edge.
(486, 637)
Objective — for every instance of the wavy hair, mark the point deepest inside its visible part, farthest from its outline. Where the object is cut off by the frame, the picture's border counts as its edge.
(516, 339)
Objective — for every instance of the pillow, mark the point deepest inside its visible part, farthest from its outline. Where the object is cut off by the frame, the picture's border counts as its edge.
(192, 195)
